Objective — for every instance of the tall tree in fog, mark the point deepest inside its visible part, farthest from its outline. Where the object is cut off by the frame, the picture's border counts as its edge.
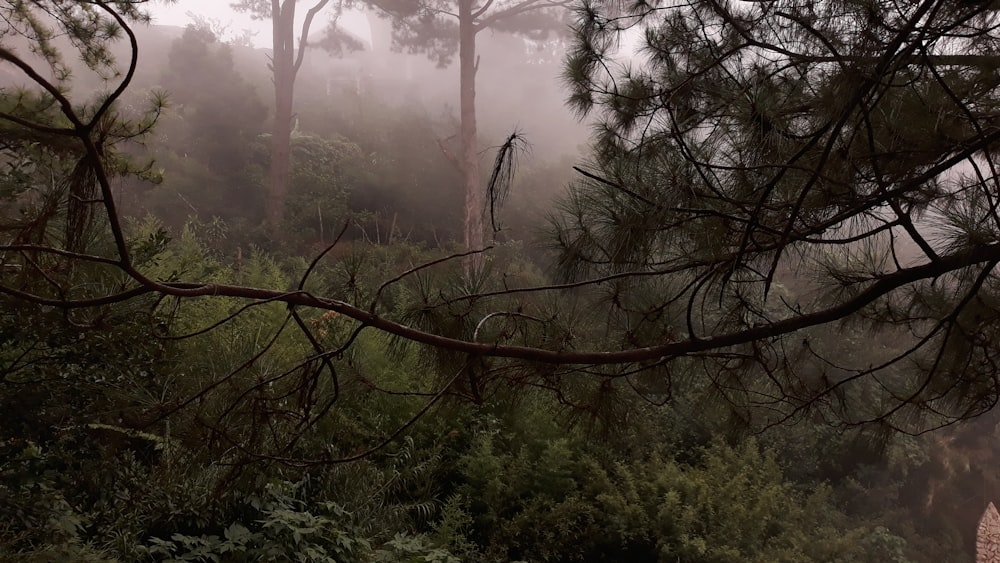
(286, 59)
(438, 28)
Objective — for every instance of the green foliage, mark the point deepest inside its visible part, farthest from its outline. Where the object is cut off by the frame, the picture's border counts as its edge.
(286, 528)
(325, 173)
(402, 186)
(38, 513)
(551, 502)
(174, 429)
(90, 28)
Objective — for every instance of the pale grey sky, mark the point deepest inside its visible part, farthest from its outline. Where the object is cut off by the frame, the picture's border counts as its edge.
(176, 14)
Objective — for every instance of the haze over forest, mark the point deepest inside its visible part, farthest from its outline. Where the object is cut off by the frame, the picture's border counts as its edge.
(499, 280)
(339, 90)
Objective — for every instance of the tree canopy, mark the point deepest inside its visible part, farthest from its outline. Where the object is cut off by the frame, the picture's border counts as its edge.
(439, 28)
(850, 144)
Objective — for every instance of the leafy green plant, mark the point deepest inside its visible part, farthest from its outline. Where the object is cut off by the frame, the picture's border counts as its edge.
(287, 528)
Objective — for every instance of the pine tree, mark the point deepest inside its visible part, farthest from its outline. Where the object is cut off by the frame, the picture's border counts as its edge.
(751, 147)
(439, 28)
(287, 55)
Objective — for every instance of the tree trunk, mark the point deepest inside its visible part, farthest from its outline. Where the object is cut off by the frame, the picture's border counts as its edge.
(283, 62)
(474, 234)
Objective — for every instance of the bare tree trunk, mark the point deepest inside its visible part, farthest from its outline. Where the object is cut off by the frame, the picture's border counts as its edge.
(283, 63)
(281, 140)
(474, 233)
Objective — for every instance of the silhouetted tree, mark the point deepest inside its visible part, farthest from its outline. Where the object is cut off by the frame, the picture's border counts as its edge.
(287, 55)
(788, 166)
(439, 28)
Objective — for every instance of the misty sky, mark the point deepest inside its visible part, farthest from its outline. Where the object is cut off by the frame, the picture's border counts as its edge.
(176, 14)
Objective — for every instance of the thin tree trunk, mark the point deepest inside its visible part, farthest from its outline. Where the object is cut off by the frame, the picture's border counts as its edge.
(283, 62)
(281, 140)
(474, 234)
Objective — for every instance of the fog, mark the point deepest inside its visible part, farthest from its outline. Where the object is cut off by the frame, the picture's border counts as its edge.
(400, 108)
(182, 13)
